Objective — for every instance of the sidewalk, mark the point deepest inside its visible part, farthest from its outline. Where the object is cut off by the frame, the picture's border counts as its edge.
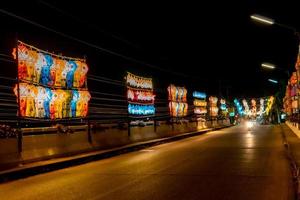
(34, 168)
(291, 138)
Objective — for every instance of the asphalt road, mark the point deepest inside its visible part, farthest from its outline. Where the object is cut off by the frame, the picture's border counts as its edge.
(227, 164)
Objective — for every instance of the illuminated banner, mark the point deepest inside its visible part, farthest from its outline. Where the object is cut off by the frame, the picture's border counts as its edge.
(44, 68)
(140, 95)
(262, 106)
(213, 109)
(270, 102)
(177, 93)
(293, 91)
(246, 107)
(50, 86)
(200, 103)
(138, 81)
(223, 104)
(295, 104)
(200, 110)
(253, 107)
(134, 109)
(293, 78)
(239, 107)
(177, 101)
(178, 109)
(199, 95)
(41, 102)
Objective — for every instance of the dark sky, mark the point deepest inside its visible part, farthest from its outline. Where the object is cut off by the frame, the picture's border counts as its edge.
(209, 47)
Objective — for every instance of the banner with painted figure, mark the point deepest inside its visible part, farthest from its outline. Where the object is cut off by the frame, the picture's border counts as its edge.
(140, 95)
(46, 103)
(213, 108)
(178, 109)
(44, 68)
(177, 97)
(177, 93)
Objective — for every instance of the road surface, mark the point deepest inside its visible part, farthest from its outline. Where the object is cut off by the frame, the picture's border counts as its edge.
(227, 164)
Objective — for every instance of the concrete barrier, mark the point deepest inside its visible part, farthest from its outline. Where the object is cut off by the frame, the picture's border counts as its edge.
(52, 145)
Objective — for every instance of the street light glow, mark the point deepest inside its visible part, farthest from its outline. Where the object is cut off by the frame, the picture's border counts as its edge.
(268, 65)
(272, 80)
(262, 19)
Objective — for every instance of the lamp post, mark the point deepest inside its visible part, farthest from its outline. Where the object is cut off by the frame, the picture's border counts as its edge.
(270, 66)
(269, 21)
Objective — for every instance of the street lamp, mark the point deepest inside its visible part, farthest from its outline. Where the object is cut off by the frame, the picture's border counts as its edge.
(262, 19)
(268, 21)
(273, 81)
(272, 66)
(268, 65)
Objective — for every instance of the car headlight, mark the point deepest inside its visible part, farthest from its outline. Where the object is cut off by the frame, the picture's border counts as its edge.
(249, 124)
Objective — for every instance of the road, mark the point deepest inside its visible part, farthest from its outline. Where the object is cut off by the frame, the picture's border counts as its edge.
(227, 164)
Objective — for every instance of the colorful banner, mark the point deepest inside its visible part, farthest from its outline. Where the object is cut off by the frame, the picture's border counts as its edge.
(41, 102)
(178, 109)
(134, 95)
(47, 69)
(177, 101)
(177, 93)
(270, 102)
(199, 95)
(200, 110)
(238, 106)
(200, 103)
(140, 95)
(213, 109)
(135, 109)
(138, 82)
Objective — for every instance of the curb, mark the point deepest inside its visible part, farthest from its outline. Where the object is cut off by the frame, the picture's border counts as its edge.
(293, 164)
(48, 166)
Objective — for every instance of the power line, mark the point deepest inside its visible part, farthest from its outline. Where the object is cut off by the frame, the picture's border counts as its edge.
(88, 43)
(85, 22)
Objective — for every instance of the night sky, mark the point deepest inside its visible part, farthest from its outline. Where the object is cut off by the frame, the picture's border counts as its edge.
(212, 47)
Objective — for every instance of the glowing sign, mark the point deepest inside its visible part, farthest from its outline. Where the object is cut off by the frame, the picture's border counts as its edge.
(138, 81)
(246, 107)
(200, 110)
(47, 69)
(41, 102)
(200, 103)
(262, 106)
(140, 95)
(136, 109)
(293, 78)
(270, 102)
(199, 95)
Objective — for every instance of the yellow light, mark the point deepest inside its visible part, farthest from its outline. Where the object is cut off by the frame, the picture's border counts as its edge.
(267, 65)
(262, 19)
